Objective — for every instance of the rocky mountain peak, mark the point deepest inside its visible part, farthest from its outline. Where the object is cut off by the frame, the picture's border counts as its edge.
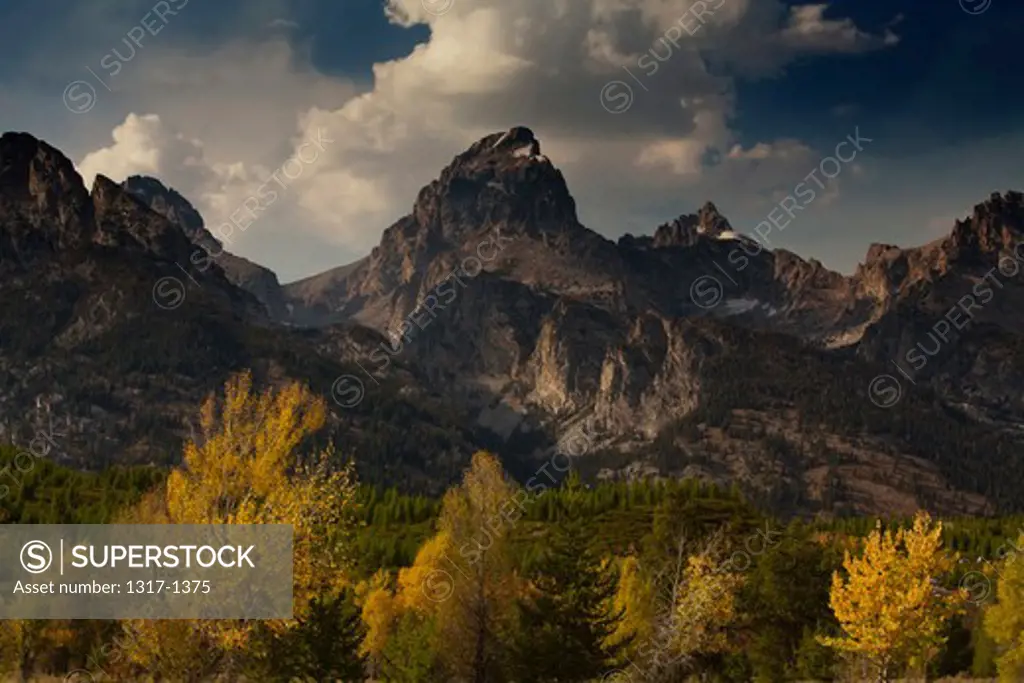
(45, 209)
(995, 225)
(122, 221)
(502, 179)
(994, 228)
(43, 202)
(170, 204)
(686, 230)
(711, 222)
(882, 252)
(513, 140)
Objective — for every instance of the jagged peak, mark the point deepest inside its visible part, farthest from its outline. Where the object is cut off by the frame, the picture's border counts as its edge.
(710, 209)
(14, 145)
(41, 186)
(148, 186)
(496, 149)
(995, 225)
(999, 211)
(104, 189)
(26, 160)
(711, 221)
(146, 182)
(172, 205)
(513, 138)
(123, 220)
(687, 229)
(999, 202)
(878, 252)
(500, 179)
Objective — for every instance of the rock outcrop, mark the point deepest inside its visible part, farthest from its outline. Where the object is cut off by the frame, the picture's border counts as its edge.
(259, 281)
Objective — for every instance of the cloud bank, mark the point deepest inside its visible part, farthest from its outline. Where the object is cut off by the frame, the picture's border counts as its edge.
(215, 125)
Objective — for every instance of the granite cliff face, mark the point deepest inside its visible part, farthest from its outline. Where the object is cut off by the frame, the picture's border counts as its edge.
(490, 315)
(951, 311)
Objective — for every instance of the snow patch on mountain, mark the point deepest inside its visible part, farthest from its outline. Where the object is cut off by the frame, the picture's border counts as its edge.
(504, 136)
(739, 305)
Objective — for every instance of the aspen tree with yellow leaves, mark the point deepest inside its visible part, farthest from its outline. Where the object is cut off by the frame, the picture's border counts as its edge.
(380, 613)
(247, 467)
(681, 618)
(890, 605)
(706, 609)
(409, 603)
(1004, 620)
(461, 586)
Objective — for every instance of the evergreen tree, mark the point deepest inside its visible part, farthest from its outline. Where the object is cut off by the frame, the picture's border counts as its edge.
(564, 626)
(323, 646)
(785, 595)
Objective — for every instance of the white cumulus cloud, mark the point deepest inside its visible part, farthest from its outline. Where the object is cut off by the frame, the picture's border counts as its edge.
(487, 65)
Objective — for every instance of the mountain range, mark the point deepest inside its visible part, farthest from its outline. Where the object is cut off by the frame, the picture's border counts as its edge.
(490, 317)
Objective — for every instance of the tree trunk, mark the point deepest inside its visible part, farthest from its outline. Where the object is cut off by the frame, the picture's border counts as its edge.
(479, 656)
(25, 669)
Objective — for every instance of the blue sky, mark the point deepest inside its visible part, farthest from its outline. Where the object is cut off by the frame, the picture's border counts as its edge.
(220, 95)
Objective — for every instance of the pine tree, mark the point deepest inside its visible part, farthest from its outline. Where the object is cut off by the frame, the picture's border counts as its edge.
(566, 621)
(324, 646)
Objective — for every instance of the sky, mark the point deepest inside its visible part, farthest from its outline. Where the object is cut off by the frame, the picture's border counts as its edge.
(345, 108)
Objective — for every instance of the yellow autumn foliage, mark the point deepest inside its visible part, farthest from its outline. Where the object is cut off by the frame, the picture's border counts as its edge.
(890, 605)
(1004, 620)
(381, 609)
(462, 576)
(634, 599)
(246, 468)
(419, 588)
(706, 607)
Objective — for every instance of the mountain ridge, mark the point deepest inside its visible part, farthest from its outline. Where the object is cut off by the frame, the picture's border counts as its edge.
(489, 316)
